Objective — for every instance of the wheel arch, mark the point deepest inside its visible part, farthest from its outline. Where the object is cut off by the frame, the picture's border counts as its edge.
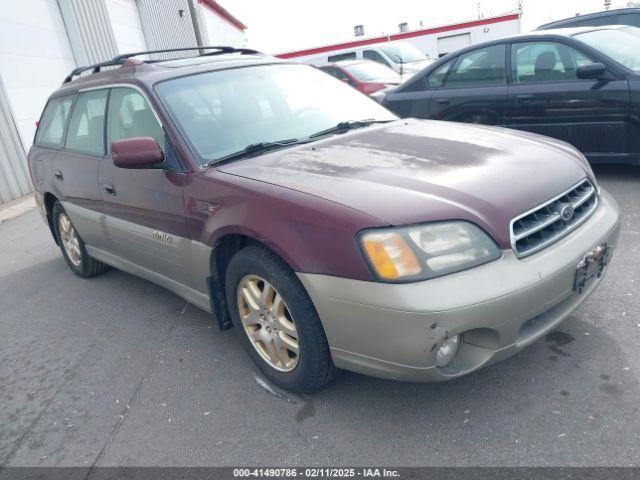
(225, 247)
(49, 201)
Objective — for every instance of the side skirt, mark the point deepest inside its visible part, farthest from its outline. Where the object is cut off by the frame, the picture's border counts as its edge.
(199, 299)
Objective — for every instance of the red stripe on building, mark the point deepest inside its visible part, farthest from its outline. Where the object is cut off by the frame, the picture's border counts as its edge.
(224, 14)
(399, 36)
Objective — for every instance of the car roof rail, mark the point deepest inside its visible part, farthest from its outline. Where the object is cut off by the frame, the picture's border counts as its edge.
(120, 59)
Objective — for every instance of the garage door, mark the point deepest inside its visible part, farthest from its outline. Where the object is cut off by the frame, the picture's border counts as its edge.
(453, 43)
(125, 22)
(35, 56)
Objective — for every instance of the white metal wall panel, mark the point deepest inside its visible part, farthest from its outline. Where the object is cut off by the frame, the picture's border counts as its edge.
(220, 31)
(125, 22)
(89, 29)
(165, 27)
(14, 176)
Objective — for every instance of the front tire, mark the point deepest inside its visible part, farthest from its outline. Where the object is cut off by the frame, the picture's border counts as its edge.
(277, 322)
(72, 247)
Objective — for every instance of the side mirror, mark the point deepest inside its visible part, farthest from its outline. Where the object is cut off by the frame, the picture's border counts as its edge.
(138, 152)
(592, 71)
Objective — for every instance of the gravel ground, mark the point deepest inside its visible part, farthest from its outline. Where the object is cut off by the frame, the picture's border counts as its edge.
(117, 371)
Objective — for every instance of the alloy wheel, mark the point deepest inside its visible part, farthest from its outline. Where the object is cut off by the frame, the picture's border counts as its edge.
(70, 240)
(268, 323)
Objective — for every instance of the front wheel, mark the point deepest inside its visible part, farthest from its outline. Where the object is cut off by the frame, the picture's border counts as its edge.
(277, 322)
(72, 246)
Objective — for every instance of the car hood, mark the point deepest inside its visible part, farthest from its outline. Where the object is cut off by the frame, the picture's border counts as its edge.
(412, 171)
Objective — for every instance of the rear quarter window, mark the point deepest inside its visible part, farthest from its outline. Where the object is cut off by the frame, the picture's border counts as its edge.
(53, 122)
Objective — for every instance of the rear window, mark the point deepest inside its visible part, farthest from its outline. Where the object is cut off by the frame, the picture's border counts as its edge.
(86, 128)
(53, 122)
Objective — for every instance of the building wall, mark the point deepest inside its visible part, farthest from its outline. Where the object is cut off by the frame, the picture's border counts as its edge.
(89, 29)
(164, 27)
(14, 176)
(428, 44)
(426, 40)
(219, 31)
(126, 25)
(41, 41)
(35, 56)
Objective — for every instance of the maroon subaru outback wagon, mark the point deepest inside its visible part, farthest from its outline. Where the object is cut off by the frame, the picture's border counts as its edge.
(330, 234)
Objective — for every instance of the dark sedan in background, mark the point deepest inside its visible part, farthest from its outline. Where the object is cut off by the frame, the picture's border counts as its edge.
(579, 85)
(619, 16)
(365, 76)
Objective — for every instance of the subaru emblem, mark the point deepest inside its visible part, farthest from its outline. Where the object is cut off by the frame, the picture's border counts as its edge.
(567, 213)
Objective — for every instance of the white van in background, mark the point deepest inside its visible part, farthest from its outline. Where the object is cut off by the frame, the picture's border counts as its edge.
(402, 57)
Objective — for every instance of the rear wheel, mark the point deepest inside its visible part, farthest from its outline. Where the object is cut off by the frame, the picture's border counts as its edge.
(277, 322)
(72, 247)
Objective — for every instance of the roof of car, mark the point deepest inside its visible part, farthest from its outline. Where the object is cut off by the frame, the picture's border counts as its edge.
(562, 32)
(587, 16)
(131, 69)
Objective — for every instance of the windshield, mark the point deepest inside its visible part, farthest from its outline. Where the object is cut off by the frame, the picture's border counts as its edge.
(223, 112)
(402, 53)
(622, 45)
(367, 71)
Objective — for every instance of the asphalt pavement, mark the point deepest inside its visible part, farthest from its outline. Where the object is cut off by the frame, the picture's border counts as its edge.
(118, 371)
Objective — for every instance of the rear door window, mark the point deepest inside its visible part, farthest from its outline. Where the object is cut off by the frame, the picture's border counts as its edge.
(86, 128)
(482, 67)
(53, 122)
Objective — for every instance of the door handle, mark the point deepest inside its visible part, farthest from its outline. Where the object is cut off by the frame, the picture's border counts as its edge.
(58, 174)
(525, 98)
(443, 101)
(109, 188)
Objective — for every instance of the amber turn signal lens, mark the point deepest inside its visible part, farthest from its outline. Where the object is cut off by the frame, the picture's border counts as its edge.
(390, 255)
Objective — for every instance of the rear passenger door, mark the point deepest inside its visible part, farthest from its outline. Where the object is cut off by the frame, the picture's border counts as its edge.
(475, 90)
(144, 208)
(75, 166)
(48, 141)
(547, 97)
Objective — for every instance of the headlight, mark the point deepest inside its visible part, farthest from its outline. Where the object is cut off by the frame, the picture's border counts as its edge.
(425, 251)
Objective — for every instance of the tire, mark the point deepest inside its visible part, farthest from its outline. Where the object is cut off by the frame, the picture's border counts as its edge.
(78, 259)
(252, 267)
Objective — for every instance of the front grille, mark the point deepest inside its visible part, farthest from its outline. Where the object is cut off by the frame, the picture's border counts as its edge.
(540, 227)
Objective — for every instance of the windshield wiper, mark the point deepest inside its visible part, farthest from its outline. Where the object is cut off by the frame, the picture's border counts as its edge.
(255, 148)
(343, 127)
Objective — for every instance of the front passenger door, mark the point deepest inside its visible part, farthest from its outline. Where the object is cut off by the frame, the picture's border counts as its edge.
(144, 208)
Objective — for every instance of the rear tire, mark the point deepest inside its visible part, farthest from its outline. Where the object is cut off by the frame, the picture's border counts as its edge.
(72, 247)
(277, 322)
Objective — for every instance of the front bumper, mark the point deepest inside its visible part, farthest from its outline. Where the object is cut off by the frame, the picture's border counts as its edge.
(393, 330)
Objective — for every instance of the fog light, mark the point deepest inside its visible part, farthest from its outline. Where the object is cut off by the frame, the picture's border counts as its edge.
(447, 351)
